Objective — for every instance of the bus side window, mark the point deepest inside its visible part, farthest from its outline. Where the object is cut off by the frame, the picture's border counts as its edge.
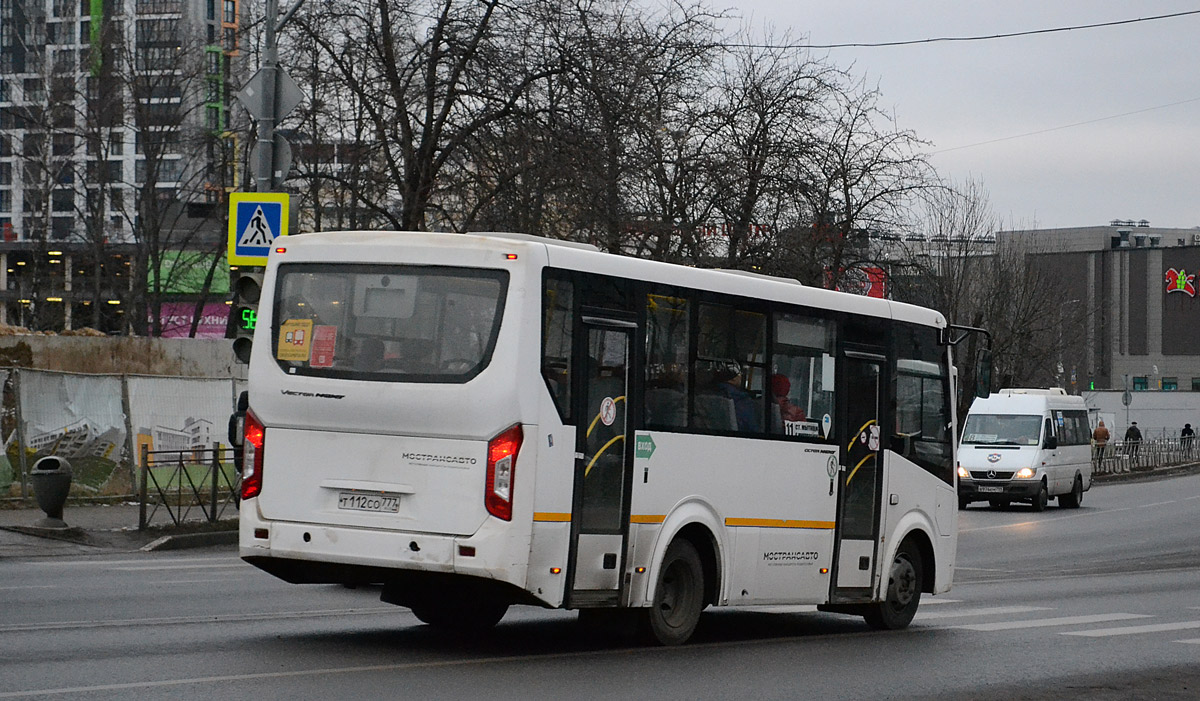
(921, 401)
(666, 396)
(557, 326)
(801, 384)
(730, 368)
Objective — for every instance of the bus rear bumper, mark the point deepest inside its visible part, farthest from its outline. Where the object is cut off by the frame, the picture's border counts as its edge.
(305, 553)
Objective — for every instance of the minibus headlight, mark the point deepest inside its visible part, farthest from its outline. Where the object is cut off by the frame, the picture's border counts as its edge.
(963, 474)
(1024, 473)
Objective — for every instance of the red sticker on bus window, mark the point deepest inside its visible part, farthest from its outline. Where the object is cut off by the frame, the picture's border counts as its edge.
(324, 340)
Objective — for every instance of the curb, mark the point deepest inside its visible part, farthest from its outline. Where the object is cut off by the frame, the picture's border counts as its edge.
(191, 540)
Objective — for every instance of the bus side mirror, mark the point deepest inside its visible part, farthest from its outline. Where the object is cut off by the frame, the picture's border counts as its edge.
(1051, 442)
(983, 373)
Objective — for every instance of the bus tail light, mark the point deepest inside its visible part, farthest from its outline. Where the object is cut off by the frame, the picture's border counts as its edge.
(501, 468)
(252, 456)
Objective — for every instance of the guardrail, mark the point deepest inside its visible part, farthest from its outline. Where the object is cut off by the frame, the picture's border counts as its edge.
(1128, 456)
(182, 482)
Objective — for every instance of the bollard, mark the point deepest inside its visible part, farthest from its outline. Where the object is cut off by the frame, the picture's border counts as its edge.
(51, 478)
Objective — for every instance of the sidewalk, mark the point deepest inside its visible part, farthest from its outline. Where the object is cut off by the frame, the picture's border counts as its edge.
(100, 528)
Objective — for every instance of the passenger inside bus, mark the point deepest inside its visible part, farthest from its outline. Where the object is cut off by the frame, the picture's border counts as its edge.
(782, 407)
(746, 410)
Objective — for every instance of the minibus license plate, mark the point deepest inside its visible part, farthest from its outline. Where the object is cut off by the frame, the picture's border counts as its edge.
(368, 502)
(991, 489)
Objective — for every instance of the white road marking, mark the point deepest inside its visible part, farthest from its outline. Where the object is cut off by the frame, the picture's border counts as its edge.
(1050, 622)
(30, 586)
(995, 610)
(172, 582)
(1131, 630)
(139, 561)
(148, 568)
(220, 618)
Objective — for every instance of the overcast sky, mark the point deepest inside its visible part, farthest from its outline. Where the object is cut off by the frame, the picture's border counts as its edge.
(960, 95)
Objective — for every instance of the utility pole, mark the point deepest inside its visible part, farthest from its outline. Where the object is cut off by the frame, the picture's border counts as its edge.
(263, 167)
(269, 96)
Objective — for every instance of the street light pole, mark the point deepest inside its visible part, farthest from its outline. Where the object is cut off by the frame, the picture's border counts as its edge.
(1061, 340)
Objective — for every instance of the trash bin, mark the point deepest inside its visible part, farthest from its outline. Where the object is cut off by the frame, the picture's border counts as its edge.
(51, 477)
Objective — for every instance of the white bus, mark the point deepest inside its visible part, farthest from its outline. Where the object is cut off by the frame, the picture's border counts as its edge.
(475, 421)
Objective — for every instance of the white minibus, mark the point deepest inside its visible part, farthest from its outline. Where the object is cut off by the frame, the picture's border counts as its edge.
(480, 420)
(1025, 445)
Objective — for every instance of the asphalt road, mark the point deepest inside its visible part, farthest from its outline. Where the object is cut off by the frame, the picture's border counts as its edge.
(1101, 602)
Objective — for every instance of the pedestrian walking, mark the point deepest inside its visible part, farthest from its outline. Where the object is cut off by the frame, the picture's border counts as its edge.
(1099, 440)
(1186, 437)
(1133, 440)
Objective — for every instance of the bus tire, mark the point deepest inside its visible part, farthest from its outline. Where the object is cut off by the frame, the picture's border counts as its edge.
(459, 616)
(1041, 499)
(1074, 498)
(905, 581)
(678, 600)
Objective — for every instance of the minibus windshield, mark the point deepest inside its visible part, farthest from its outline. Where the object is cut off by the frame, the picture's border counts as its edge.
(1002, 429)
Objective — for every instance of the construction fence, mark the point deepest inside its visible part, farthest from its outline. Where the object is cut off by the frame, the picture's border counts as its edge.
(107, 426)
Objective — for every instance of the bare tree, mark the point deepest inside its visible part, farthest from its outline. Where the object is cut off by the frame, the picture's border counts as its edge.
(771, 108)
(164, 77)
(960, 269)
(429, 76)
(862, 178)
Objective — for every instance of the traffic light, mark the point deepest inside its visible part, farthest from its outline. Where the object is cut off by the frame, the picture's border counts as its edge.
(247, 288)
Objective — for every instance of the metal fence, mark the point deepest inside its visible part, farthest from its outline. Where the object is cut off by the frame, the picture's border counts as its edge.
(1128, 456)
(179, 483)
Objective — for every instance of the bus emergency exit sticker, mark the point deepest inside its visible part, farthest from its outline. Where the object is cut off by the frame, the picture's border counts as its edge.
(295, 340)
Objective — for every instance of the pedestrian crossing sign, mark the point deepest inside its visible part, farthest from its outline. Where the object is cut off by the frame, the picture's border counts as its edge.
(256, 219)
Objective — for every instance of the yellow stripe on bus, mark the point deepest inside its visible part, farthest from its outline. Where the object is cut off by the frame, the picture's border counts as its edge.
(647, 518)
(550, 516)
(778, 523)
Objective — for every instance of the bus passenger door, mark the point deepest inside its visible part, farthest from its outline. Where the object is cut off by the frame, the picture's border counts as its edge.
(600, 513)
(860, 476)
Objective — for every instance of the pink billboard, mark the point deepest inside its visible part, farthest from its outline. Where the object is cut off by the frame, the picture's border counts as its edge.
(177, 319)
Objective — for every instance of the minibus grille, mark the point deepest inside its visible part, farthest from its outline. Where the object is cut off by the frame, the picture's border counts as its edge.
(990, 475)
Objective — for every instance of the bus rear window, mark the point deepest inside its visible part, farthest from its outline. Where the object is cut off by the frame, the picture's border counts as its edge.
(388, 323)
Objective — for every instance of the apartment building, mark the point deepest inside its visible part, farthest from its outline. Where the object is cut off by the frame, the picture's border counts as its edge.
(115, 139)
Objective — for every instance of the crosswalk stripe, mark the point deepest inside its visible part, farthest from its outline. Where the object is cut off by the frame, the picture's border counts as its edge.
(1131, 630)
(1049, 622)
(1193, 641)
(980, 612)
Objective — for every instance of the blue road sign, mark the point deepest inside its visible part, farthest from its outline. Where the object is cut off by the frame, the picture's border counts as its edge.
(255, 221)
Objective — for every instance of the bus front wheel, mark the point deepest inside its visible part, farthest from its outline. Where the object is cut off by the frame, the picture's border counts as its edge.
(903, 595)
(678, 596)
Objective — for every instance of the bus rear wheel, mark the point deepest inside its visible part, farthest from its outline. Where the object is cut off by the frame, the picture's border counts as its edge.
(678, 597)
(1074, 498)
(905, 581)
